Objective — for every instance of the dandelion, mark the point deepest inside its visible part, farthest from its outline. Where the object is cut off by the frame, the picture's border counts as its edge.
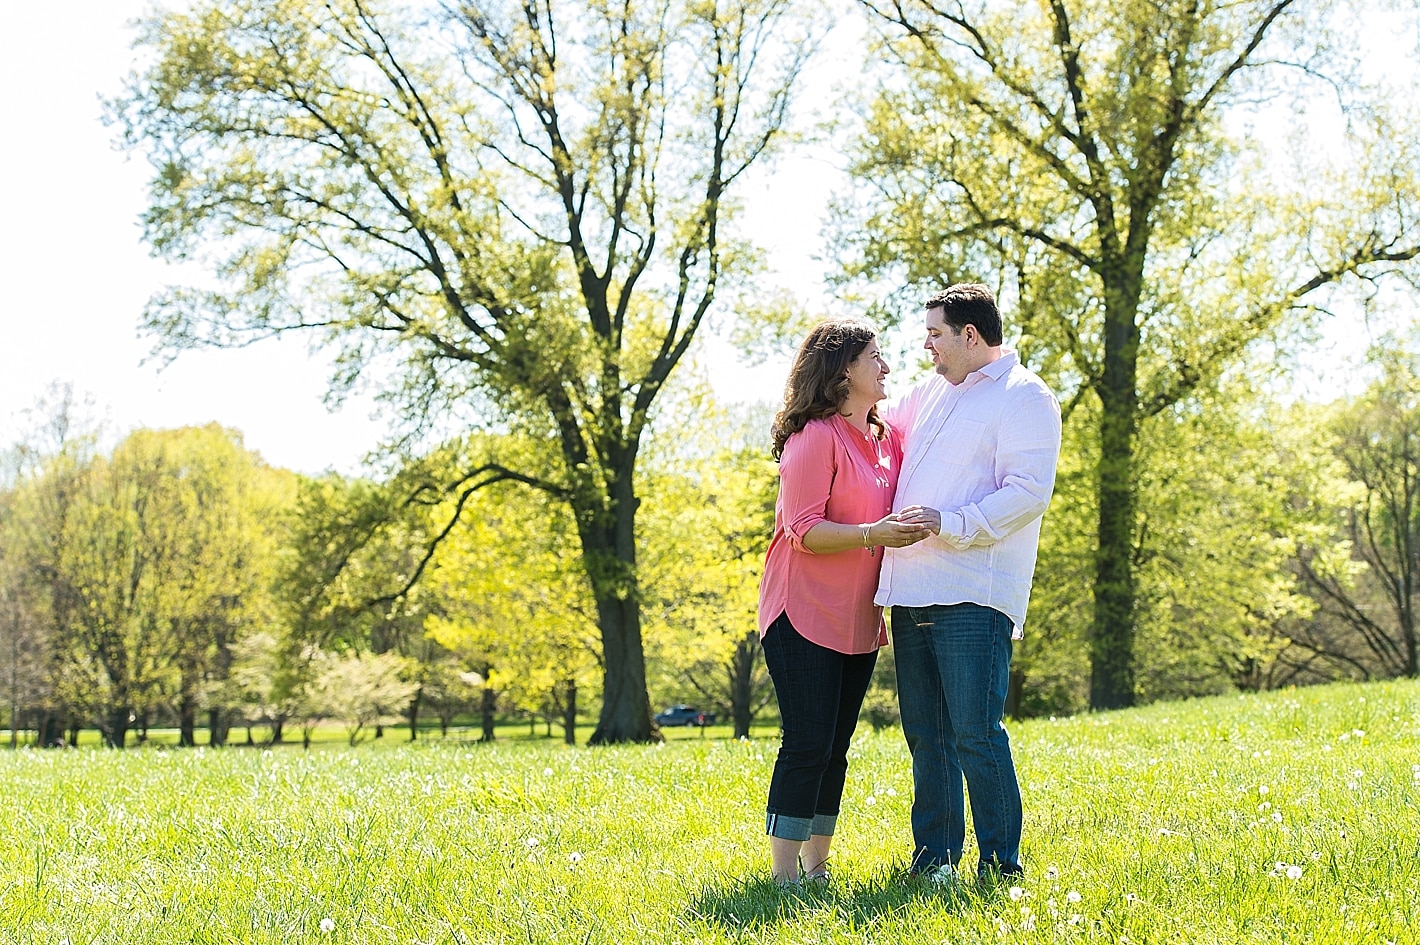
(547, 772)
(327, 924)
(1294, 872)
(1072, 896)
(532, 842)
(872, 799)
(574, 858)
(1076, 918)
(1165, 832)
(1051, 873)
(1276, 816)
(1131, 898)
(1358, 732)
(1264, 807)
(1263, 789)
(1017, 894)
(892, 792)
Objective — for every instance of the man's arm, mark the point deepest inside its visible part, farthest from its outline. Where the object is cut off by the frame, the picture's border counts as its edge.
(1027, 449)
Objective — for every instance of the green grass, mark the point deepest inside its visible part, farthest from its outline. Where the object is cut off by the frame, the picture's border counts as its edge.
(1164, 824)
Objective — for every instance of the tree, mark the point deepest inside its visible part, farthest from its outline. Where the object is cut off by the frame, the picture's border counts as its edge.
(517, 208)
(1368, 580)
(1087, 159)
(714, 481)
(361, 691)
(514, 609)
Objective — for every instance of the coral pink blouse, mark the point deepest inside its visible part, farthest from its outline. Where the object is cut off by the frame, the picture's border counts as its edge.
(829, 472)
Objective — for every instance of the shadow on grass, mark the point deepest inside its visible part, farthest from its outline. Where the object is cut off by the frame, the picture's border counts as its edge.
(756, 902)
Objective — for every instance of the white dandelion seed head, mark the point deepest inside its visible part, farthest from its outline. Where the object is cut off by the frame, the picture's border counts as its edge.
(1076, 918)
(574, 858)
(1263, 789)
(532, 842)
(1358, 774)
(327, 924)
(1358, 732)
(1072, 896)
(1017, 894)
(1264, 807)
(892, 792)
(1052, 873)
(547, 772)
(1276, 816)
(1294, 872)
(872, 799)
(1352, 785)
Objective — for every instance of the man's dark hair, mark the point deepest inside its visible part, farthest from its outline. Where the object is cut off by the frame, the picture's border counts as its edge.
(969, 303)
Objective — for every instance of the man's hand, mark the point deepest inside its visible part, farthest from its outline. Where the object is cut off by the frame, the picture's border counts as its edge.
(927, 521)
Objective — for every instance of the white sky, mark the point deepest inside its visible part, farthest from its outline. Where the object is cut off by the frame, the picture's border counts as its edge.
(76, 275)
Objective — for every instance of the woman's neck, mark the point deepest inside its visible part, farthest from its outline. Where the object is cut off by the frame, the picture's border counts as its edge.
(856, 414)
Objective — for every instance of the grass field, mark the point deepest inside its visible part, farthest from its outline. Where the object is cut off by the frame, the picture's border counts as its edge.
(1288, 817)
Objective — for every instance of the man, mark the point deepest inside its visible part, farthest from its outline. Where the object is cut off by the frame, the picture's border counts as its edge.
(983, 437)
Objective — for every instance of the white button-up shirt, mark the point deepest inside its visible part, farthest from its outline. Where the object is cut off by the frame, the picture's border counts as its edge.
(983, 453)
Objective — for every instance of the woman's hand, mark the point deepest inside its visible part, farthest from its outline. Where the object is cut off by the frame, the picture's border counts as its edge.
(900, 529)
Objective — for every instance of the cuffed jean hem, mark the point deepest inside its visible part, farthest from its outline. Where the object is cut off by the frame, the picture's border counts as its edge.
(788, 828)
(800, 828)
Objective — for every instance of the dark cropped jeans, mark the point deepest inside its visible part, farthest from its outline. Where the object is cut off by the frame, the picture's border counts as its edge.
(820, 692)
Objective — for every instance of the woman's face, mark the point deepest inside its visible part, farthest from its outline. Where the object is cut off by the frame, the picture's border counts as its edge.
(867, 375)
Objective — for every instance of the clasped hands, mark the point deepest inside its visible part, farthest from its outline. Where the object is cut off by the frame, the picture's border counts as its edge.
(906, 527)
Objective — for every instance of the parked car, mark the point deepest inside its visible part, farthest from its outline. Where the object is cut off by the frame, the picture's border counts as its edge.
(684, 715)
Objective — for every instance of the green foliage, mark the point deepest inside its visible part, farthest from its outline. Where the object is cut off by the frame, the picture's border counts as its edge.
(1092, 162)
(1238, 819)
(516, 211)
(1363, 565)
(705, 536)
(147, 566)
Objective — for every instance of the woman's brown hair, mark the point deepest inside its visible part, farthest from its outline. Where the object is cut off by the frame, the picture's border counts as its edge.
(818, 381)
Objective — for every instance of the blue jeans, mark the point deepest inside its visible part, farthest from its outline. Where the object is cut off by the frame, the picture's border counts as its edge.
(953, 666)
(820, 692)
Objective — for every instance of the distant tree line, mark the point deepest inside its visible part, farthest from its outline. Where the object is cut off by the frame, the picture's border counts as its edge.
(176, 580)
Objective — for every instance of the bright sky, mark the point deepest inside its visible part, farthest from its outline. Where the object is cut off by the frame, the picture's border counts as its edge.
(76, 274)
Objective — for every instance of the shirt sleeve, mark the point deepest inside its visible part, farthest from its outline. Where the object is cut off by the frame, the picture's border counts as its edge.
(1027, 449)
(806, 471)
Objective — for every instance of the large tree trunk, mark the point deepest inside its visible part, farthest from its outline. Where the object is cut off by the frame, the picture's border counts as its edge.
(51, 730)
(569, 713)
(216, 728)
(187, 721)
(742, 683)
(1112, 640)
(488, 704)
(414, 714)
(626, 708)
(116, 727)
(611, 565)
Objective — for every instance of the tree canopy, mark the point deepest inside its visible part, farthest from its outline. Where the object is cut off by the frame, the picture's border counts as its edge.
(1093, 162)
(516, 210)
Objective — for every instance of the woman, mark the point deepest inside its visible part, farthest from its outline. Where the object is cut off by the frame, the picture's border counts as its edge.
(838, 468)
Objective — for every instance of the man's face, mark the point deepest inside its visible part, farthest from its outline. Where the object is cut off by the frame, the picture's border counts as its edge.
(950, 349)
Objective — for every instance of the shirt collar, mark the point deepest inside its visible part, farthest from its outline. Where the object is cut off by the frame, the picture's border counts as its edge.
(994, 370)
